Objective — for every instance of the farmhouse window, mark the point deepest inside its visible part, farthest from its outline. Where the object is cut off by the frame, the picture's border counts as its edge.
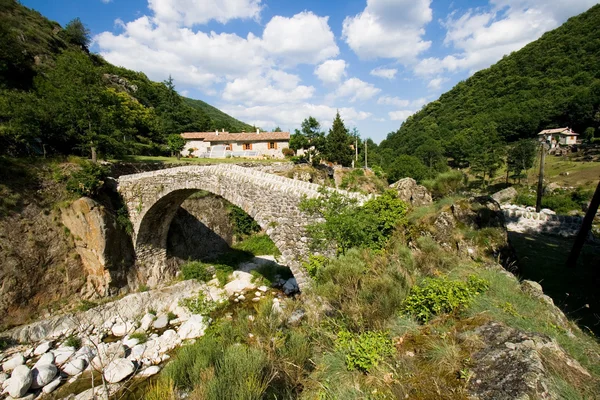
(247, 146)
(272, 145)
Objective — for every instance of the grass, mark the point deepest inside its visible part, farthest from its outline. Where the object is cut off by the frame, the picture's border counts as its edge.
(258, 245)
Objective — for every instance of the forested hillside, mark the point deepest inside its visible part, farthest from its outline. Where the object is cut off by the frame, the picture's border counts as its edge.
(552, 82)
(57, 97)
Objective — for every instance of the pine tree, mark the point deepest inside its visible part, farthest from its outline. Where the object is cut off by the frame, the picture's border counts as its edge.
(338, 148)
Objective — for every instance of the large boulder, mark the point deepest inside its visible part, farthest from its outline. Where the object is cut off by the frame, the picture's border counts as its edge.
(74, 367)
(13, 362)
(105, 250)
(511, 366)
(241, 282)
(193, 327)
(42, 348)
(505, 195)
(19, 382)
(42, 375)
(161, 322)
(118, 369)
(411, 192)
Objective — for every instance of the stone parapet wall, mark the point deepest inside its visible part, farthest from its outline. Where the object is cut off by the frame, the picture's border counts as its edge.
(526, 220)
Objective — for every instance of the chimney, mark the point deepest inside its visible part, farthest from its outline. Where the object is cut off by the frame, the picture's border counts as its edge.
(223, 130)
(217, 132)
(257, 131)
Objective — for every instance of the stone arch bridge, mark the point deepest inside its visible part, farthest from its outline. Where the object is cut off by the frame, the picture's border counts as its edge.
(152, 199)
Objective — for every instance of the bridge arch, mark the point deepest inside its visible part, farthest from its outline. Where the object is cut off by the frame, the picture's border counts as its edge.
(153, 198)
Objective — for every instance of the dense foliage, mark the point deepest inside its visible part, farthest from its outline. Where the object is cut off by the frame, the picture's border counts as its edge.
(56, 97)
(348, 225)
(88, 180)
(552, 82)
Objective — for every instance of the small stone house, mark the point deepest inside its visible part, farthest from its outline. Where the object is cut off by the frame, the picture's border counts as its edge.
(558, 137)
(224, 144)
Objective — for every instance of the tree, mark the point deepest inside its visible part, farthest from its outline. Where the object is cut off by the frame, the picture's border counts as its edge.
(277, 129)
(298, 141)
(487, 151)
(431, 153)
(175, 143)
(458, 149)
(338, 143)
(407, 166)
(76, 33)
(310, 138)
(588, 134)
(520, 157)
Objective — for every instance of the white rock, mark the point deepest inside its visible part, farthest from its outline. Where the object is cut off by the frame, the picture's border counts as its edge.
(146, 321)
(256, 299)
(131, 342)
(164, 357)
(276, 306)
(193, 327)
(13, 362)
(3, 377)
(161, 322)
(118, 369)
(547, 211)
(146, 372)
(42, 348)
(45, 359)
(122, 329)
(63, 354)
(43, 375)
(74, 367)
(19, 381)
(137, 351)
(258, 294)
(263, 288)
(241, 282)
(107, 353)
(49, 388)
(241, 297)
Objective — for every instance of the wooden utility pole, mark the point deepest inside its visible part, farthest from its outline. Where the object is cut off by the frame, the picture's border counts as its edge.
(366, 166)
(540, 188)
(586, 226)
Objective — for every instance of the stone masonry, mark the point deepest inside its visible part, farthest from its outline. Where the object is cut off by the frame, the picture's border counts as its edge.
(526, 220)
(152, 199)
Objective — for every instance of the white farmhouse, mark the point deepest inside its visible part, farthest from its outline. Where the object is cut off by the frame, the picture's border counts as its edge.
(558, 137)
(224, 144)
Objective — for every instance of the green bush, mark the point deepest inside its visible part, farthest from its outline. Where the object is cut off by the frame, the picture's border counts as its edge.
(88, 181)
(258, 245)
(85, 305)
(196, 270)
(364, 351)
(199, 304)
(436, 296)
(142, 337)
(73, 341)
(314, 264)
(243, 224)
(123, 220)
(446, 183)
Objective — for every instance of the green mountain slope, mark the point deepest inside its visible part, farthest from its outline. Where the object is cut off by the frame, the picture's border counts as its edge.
(57, 97)
(552, 82)
(218, 117)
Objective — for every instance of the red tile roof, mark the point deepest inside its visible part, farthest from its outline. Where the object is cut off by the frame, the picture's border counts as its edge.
(237, 137)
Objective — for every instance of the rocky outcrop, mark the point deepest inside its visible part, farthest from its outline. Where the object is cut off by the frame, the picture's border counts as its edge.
(505, 195)
(411, 192)
(527, 220)
(105, 250)
(511, 365)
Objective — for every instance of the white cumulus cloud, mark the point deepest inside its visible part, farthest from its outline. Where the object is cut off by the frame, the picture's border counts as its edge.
(331, 71)
(387, 73)
(400, 115)
(479, 38)
(389, 29)
(276, 88)
(356, 89)
(192, 12)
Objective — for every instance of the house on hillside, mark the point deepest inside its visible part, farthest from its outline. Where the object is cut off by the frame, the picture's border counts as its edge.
(558, 137)
(224, 144)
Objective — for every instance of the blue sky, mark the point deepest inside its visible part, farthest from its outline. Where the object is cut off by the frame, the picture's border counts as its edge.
(275, 62)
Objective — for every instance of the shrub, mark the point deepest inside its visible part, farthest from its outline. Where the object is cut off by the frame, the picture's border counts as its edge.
(436, 296)
(142, 337)
(123, 220)
(196, 270)
(243, 224)
(446, 183)
(143, 288)
(88, 181)
(314, 264)
(198, 304)
(73, 341)
(365, 350)
(258, 245)
(287, 152)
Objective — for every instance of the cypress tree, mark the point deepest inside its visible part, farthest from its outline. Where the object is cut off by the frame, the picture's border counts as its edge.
(338, 143)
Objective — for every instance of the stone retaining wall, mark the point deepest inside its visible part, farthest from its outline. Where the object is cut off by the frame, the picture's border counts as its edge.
(526, 220)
